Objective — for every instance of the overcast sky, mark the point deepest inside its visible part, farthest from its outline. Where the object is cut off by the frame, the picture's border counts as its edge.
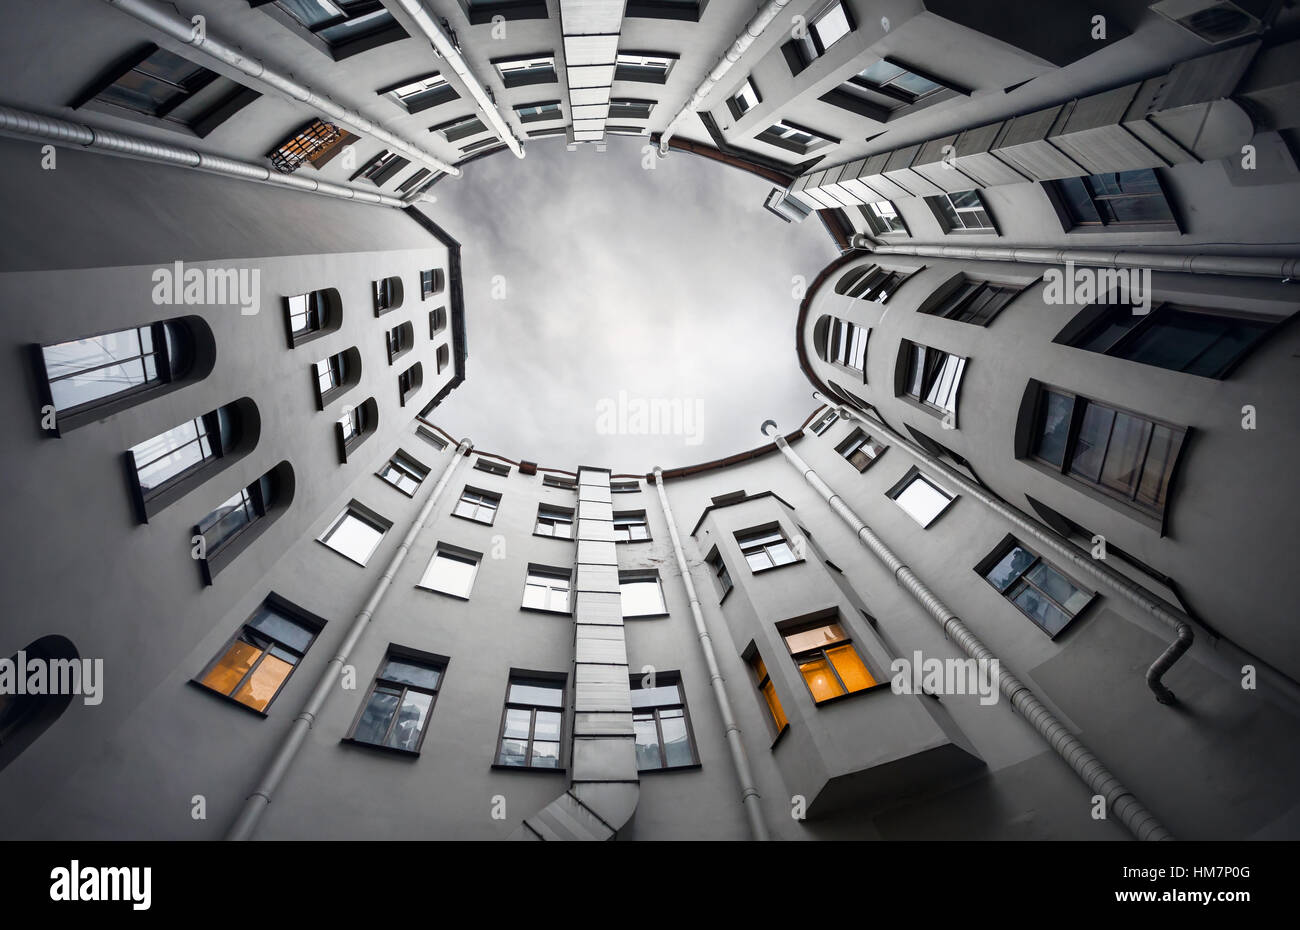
(647, 318)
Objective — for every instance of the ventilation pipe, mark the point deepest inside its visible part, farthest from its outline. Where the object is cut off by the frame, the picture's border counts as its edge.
(257, 802)
(749, 795)
(37, 128)
(757, 26)
(183, 30)
(447, 49)
(1119, 800)
(1240, 265)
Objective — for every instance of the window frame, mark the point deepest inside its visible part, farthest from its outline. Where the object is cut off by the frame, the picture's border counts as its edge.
(663, 679)
(362, 514)
(855, 443)
(761, 676)
(412, 468)
(954, 225)
(803, 656)
(1071, 222)
(766, 531)
(410, 657)
(721, 573)
(636, 576)
(641, 73)
(551, 573)
(455, 554)
(913, 475)
(932, 378)
(629, 521)
(1012, 589)
(527, 678)
(482, 496)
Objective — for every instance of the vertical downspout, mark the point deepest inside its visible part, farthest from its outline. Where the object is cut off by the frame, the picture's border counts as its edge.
(749, 795)
(256, 803)
(1123, 803)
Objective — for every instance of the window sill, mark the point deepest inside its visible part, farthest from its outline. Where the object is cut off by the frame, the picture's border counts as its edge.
(225, 698)
(472, 520)
(548, 536)
(393, 486)
(839, 698)
(773, 568)
(499, 767)
(648, 616)
(692, 767)
(459, 597)
(391, 750)
(340, 554)
(545, 610)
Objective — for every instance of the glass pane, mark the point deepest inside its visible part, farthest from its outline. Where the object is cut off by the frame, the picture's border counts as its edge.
(1078, 202)
(1233, 342)
(641, 597)
(656, 697)
(410, 721)
(648, 755)
(774, 705)
(262, 685)
(513, 752)
(1054, 427)
(1090, 447)
(540, 693)
(422, 676)
(915, 84)
(1056, 585)
(832, 26)
(820, 678)
(375, 718)
(1041, 610)
(518, 723)
(1161, 455)
(1009, 568)
(165, 456)
(545, 756)
(850, 667)
(450, 574)
(815, 638)
(677, 745)
(231, 668)
(546, 725)
(353, 537)
(781, 553)
(281, 628)
(310, 12)
(881, 72)
(1126, 453)
(364, 25)
(922, 500)
(1109, 330)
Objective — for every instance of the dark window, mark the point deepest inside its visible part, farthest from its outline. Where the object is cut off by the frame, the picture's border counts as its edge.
(631, 526)
(422, 93)
(331, 374)
(763, 681)
(556, 481)
(630, 109)
(381, 169)
(883, 218)
(87, 373)
(444, 357)
(663, 728)
(461, 128)
(388, 294)
(824, 422)
(1125, 455)
(253, 667)
(1123, 198)
(972, 301)
(895, 82)
(744, 99)
(432, 282)
(766, 547)
(399, 341)
(404, 473)
(311, 315)
(536, 112)
(794, 138)
(355, 426)
(531, 723)
(517, 72)
(554, 521)
(340, 22)
(932, 377)
(437, 322)
(719, 568)
(180, 451)
(644, 67)
(688, 10)
(871, 282)
(480, 506)
(827, 660)
(431, 437)
(25, 717)
(396, 711)
(491, 467)
(1036, 587)
(415, 182)
(860, 449)
(409, 382)
(961, 212)
(847, 345)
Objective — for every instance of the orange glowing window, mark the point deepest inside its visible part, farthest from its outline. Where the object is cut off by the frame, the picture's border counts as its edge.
(768, 690)
(828, 662)
(258, 661)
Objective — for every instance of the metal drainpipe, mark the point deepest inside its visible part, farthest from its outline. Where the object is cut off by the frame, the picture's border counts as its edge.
(35, 127)
(443, 44)
(182, 30)
(1240, 265)
(749, 795)
(762, 19)
(257, 802)
(1123, 803)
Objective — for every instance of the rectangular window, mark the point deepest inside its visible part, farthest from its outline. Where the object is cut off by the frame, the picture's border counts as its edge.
(766, 547)
(432, 281)
(1124, 455)
(316, 143)
(404, 473)
(554, 521)
(961, 212)
(330, 374)
(860, 449)
(244, 508)
(558, 481)
(480, 506)
(630, 526)
(883, 218)
(644, 67)
(627, 108)
(972, 301)
(531, 723)
(824, 422)
(895, 83)
(719, 569)
(254, 666)
(871, 282)
(396, 712)
(431, 437)
(491, 467)
(744, 99)
(1193, 340)
(1037, 588)
(795, 138)
(1123, 198)
(381, 169)
(848, 345)
(306, 313)
(827, 660)
(460, 128)
(663, 729)
(517, 72)
(641, 594)
(537, 112)
(165, 86)
(86, 372)
(179, 451)
(355, 533)
(547, 589)
(824, 30)
(339, 23)
(451, 571)
(422, 93)
(922, 498)
(932, 377)
(624, 487)
(763, 682)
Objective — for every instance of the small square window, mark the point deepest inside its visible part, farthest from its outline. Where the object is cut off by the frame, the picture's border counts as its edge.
(922, 498)
(480, 506)
(631, 526)
(532, 723)
(641, 594)
(451, 571)
(355, 533)
(883, 218)
(396, 712)
(860, 449)
(547, 589)
(961, 212)
(556, 522)
(766, 547)
(744, 99)
(404, 473)
(795, 138)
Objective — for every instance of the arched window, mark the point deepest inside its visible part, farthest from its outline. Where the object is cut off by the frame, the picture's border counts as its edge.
(388, 294)
(234, 525)
(168, 466)
(437, 321)
(334, 375)
(24, 717)
(91, 378)
(355, 426)
(432, 282)
(409, 382)
(310, 316)
(821, 336)
(871, 282)
(444, 356)
(399, 339)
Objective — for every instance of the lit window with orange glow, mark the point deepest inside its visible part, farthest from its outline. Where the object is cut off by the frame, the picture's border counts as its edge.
(828, 662)
(255, 664)
(768, 691)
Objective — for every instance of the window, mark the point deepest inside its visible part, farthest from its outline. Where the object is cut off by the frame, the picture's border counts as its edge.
(627, 108)
(312, 315)
(547, 589)
(931, 377)
(795, 138)
(766, 547)
(537, 112)
(1124, 455)
(871, 282)
(824, 422)
(961, 212)
(765, 687)
(1123, 198)
(422, 93)
(663, 730)
(827, 660)
(355, 533)
(437, 321)
(824, 30)
(232, 526)
(492, 144)
(896, 82)
(744, 99)
(88, 373)
(558, 481)
(431, 437)
(399, 340)
(444, 357)
(381, 169)
(232, 517)
(624, 487)
(630, 526)
(253, 667)
(688, 10)
(396, 711)
(404, 473)
(491, 467)
(432, 282)
(531, 723)
(355, 426)
(1038, 588)
(720, 572)
(641, 594)
(848, 345)
(388, 294)
(480, 506)
(416, 181)
(516, 72)
(451, 571)
(860, 449)
(883, 218)
(644, 67)
(460, 128)
(409, 382)
(1193, 340)
(921, 498)
(343, 24)
(554, 521)
(482, 11)
(180, 451)
(24, 718)
(330, 373)
(972, 301)
(317, 142)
